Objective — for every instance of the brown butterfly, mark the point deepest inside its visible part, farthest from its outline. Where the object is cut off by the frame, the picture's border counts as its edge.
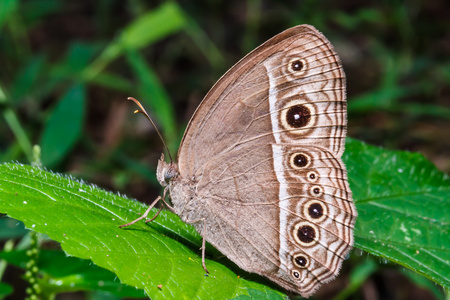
(259, 170)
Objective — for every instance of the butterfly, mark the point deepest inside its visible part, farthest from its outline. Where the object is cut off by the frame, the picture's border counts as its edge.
(259, 171)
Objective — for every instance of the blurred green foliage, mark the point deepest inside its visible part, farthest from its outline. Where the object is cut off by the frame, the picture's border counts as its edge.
(66, 68)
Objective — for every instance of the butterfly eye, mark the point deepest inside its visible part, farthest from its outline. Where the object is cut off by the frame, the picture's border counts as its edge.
(170, 173)
(301, 261)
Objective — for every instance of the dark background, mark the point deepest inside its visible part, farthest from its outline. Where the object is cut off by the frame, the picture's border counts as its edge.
(395, 55)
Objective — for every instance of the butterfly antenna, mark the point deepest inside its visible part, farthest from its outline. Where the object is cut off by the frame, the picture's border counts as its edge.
(142, 111)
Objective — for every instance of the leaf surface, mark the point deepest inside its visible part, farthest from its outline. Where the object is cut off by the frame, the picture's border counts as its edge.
(402, 201)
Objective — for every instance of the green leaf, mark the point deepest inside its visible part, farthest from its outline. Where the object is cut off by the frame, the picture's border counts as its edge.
(78, 56)
(205, 44)
(7, 8)
(5, 289)
(256, 295)
(402, 201)
(154, 94)
(85, 220)
(10, 228)
(359, 18)
(153, 26)
(36, 10)
(425, 283)
(64, 126)
(148, 28)
(27, 78)
(14, 124)
(77, 274)
(381, 100)
(357, 277)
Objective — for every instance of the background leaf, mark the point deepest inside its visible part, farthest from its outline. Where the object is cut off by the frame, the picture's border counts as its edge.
(10, 228)
(155, 97)
(77, 274)
(148, 28)
(7, 9)
(402, 202)
(5, 289)
(27, 78)
(152, 26)
(64, 126)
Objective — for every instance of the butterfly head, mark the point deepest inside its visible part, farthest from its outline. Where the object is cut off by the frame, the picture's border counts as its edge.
(166, 172)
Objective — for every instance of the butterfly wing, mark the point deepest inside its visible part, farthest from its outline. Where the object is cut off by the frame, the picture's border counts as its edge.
(263, 153)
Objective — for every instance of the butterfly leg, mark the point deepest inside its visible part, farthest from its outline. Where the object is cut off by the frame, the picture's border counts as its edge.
(145, 214)
(170, 207)
(203, 248)
(149, 209)
(157, 213)
(154, 217)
